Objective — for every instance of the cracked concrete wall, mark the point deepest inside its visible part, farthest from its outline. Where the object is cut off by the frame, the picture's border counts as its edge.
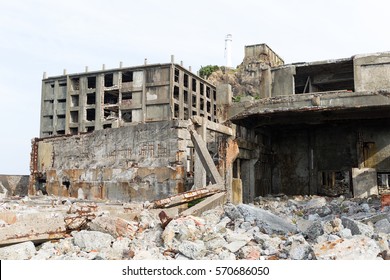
(13, 185)
(137, 163)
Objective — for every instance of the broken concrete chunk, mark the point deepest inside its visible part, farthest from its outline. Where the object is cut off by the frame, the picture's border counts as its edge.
(114, 226)
(382, 226)
(314, 230)
(356, 227)
(266, 220)
(232, 212)
(235, 246)
(92, 240)
(193, 250)
(21, 251)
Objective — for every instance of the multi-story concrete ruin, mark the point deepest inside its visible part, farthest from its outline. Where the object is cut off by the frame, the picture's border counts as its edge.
(153, 131)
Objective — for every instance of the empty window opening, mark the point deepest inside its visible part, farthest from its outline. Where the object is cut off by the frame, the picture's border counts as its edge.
(208, 107)
(91, 114)
(176, 92)
(61, 132)
(61, 100)
(110, 114)
(209, 118)
(186, 114)
(61, 117)
(90, 128)
(109, 80)
(185, 95)
(127, 77)
(74, 130)
(74, 116)
(127, 96)
(214, 95)
(108, 125)
(208, 92)
(75, 82)
(91, 81)
(74, 100)
(127, 116)
(194, 87)
(111, 97)
(185, 80)
(194, 113)
(194, 101)
(177, 73)
(91, 98)
(201, 104)
(66, 183)
(52, 85)
(62, 84)
(334, 183)
(176, 111)
(215, 110)
(201, 88)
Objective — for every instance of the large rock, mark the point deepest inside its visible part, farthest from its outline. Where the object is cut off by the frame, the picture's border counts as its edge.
(267, 221)
(232, 212)
(92, 240)
(359, 247)
(181, 229)
(22, 251)
(299, 249)
(382, 226)
(314, 230)
(193, 250)
(357, 227)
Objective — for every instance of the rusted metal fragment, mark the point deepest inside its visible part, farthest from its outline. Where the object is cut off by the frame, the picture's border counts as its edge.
(186, 196)
(79, 215)
(385, 200)
(164, 219)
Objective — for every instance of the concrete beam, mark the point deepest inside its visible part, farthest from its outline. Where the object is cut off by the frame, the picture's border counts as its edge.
(197, 120)
(209, 203)
(204, 155)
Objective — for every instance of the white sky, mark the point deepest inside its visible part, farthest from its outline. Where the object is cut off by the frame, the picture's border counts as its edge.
(48, 35)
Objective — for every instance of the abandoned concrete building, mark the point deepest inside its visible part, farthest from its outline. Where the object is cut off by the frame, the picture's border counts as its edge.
(155, 131)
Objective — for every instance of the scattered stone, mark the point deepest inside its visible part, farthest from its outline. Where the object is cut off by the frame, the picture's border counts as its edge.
(345, 233)
(359, 247)
(382, 226)
(356, 227)
(269, 222)
(235, 246)
(314, 230)
(232, 212)
(114, 226)
(316, 202)
(21, 251)
(92, 240)
(193, 250)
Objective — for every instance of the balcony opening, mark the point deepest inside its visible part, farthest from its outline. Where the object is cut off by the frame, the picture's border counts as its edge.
(111, 97)
(127, 116)
(194, 87)
(74, 116)
(185, 80)
(74, 100)
(109, 80)
(176, 92)
(75, 82)
(185, 95)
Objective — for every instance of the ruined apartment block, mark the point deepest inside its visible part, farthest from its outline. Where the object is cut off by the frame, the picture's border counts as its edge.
(158, 131)
(123, 134)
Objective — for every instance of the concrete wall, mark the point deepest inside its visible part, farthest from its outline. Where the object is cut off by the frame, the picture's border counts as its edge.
(283, 80)
(372, 72)
(13, 185)
(140, 162)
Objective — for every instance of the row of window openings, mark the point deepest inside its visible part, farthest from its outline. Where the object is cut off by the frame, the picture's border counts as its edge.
(176, 91)
(110, 97)
(176, 113)
(127, 77)
(108, 115)
(193, 84)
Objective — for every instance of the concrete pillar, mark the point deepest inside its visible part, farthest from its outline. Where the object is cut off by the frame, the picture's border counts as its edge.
(172, 58)
(248, 179)
(86, 69)
(120, 64)
(199, 171)
(223, 100)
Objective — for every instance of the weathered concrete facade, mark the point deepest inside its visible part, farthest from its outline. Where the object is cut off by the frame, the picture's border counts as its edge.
(319, 125)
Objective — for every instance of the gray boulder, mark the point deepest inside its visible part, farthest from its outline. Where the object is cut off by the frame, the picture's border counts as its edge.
(357, 227)
(22, 251)
(92, 240)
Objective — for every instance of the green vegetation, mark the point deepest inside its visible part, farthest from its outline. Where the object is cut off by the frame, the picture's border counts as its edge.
(207, 70)
(196, 201)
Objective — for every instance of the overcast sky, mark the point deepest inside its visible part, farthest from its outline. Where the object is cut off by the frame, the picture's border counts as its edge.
(48, 35)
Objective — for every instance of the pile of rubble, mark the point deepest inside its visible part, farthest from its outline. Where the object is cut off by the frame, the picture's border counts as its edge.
(299, 228)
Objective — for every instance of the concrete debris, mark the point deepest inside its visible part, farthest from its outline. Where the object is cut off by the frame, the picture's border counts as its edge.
(283, 228)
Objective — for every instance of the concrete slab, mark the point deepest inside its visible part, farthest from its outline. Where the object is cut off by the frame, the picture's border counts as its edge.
(364, 181)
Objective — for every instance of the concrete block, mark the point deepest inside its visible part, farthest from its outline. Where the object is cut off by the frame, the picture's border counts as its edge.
(364, 181)
(207, 204)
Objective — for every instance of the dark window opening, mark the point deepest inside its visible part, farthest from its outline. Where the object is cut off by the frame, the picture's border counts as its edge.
(91, 114)
(66, 183)
(75, 82)
(74, 100)
(91, 98)
(209, 118)
(110, 114)
(193, 85)
(215, 110)
(62, 84)
(127, 96)
(51, 117)
(185, 95)
(74, 116)
(208, 107)
(176, 92)
(185, 80)
(207, 92)
(176, 111)
(108, 125)
(52, 85)
(194, 113)
(186, 114)
(111, 97)
(127, 77)
(91, 82)
(109, 80)
(90, 128)
(61, 132)
(214, 95)
(177, 73)
(194, 101)
(201, 104)
(334, 183)
(127, 116)
(74, 130)
(201, 88)
(61, 100)
(60, 117)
